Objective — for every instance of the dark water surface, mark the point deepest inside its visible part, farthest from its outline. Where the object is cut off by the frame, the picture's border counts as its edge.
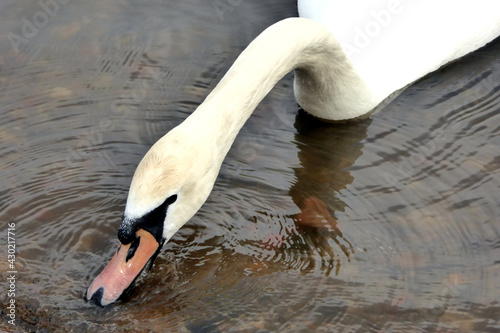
(391, 224)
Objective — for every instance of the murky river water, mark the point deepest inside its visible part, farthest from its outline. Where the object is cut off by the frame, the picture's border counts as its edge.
(390, 224)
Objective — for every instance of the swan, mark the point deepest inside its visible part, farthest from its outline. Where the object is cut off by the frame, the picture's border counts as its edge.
(348, 58)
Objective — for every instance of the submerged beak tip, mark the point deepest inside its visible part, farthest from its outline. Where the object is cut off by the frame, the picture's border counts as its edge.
(96, 297)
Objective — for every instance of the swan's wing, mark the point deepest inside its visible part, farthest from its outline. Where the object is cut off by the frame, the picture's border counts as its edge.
(393, 43)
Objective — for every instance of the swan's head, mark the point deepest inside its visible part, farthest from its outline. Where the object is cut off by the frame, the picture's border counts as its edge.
(170, 184)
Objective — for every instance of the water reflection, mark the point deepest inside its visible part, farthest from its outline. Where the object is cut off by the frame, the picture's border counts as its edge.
(322, 176)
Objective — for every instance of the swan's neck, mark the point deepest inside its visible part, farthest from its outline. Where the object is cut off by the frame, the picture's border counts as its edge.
(326, 84)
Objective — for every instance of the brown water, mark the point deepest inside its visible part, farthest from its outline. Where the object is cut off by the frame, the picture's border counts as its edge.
(389, 224)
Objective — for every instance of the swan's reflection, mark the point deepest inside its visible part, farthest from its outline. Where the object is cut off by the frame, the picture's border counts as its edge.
(326, 151)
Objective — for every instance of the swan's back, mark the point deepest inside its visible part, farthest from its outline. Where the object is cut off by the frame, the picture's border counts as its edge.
(393, 43)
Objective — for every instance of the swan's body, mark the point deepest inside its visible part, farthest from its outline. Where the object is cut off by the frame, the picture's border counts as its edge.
(177, 174)
(393, 43)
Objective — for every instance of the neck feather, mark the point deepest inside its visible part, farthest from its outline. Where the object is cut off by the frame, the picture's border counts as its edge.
(326, 83)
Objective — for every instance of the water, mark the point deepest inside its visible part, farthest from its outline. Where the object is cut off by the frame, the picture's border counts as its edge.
(388, 224)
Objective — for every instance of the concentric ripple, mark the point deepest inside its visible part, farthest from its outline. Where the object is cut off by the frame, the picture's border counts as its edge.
(386, 224)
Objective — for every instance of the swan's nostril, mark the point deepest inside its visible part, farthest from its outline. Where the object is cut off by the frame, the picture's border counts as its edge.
(97, 297)
(133, 248)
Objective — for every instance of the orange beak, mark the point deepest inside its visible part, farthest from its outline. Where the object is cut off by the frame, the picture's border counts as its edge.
(127, 263)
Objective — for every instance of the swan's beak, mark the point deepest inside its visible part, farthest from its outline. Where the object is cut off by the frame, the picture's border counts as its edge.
(127, 263)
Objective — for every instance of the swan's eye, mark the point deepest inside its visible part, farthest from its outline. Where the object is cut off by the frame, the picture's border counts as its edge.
(171, 199)
(151, 222)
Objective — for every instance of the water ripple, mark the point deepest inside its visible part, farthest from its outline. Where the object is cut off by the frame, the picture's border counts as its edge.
(386, 224)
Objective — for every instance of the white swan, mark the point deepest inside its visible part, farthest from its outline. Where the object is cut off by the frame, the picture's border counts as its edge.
(382, 46)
